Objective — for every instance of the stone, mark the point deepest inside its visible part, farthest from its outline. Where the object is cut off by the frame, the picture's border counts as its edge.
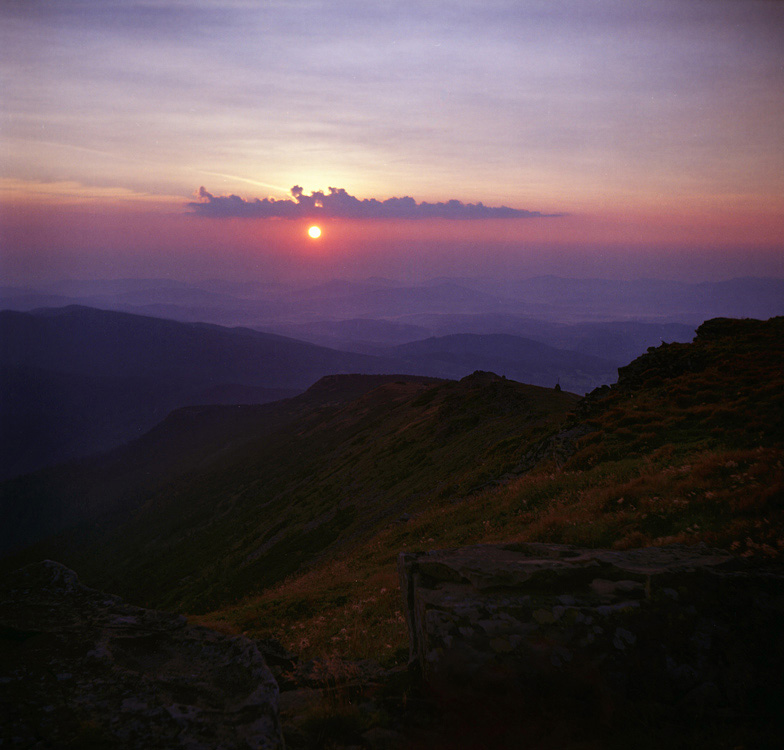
(81, 668)
(557, 631)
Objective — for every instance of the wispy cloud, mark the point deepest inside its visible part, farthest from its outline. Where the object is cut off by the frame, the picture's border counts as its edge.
(70, 191)
(338, 203)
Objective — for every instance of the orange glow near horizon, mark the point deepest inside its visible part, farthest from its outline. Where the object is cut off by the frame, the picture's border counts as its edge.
(98, 222)
(42, 238)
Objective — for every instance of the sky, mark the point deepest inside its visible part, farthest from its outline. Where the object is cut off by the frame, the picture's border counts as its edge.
(200, 138)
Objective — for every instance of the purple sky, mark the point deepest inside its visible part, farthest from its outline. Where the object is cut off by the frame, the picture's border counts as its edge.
(601, 138)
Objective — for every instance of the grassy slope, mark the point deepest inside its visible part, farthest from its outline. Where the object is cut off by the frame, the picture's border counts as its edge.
(101, 488)
(686, 448)
(315, 488)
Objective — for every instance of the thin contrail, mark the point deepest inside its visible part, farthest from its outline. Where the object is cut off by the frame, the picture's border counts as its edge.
(286, 191)
(114, 155)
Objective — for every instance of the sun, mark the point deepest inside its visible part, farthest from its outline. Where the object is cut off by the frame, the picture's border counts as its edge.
(314, 232)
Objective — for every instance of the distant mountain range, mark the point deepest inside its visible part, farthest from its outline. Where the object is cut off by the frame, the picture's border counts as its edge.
(518, 358)
(78, 380)
(88, 365)
(547, 298)
(615, 320)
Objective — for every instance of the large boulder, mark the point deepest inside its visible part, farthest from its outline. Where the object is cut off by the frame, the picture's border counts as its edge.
(529, 635)
(80, 668)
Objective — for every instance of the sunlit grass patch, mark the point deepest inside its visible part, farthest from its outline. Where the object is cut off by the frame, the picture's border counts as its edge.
(343, 607)
(733, 499)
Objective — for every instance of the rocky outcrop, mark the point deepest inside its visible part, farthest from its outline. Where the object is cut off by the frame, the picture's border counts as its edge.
(81, 668)
(555, 631)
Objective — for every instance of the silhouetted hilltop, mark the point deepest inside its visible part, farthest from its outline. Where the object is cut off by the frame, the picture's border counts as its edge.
(78, 380)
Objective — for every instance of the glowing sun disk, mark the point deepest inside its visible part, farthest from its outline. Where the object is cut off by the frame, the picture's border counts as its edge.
(314, 232)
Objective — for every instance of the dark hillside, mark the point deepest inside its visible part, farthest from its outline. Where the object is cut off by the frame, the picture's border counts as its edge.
(101, 487)
(77, 380)
(285, 496)
(726, 389)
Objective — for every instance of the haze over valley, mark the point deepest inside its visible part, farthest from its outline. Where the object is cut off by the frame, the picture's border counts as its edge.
(105, 366)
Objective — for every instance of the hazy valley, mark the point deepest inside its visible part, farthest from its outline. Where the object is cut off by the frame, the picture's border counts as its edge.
(82, 377)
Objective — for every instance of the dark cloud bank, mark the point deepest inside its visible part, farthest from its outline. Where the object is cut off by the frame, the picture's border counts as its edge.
(337, 203)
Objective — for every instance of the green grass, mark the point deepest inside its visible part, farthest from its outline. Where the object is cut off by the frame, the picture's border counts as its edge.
(314, 489)
(351, 605)
(691, 457)
(294, 533)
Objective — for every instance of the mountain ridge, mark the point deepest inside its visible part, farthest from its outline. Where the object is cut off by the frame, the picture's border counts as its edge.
(108, 376)
(293, 534)
(121, 373)
(330, 470)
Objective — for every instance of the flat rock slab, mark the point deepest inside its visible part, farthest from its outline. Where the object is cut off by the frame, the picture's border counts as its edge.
(540, 628)
(80, 668)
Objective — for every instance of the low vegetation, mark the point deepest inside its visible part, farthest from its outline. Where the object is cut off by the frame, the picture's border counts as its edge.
(686, 449)
(290, 522)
